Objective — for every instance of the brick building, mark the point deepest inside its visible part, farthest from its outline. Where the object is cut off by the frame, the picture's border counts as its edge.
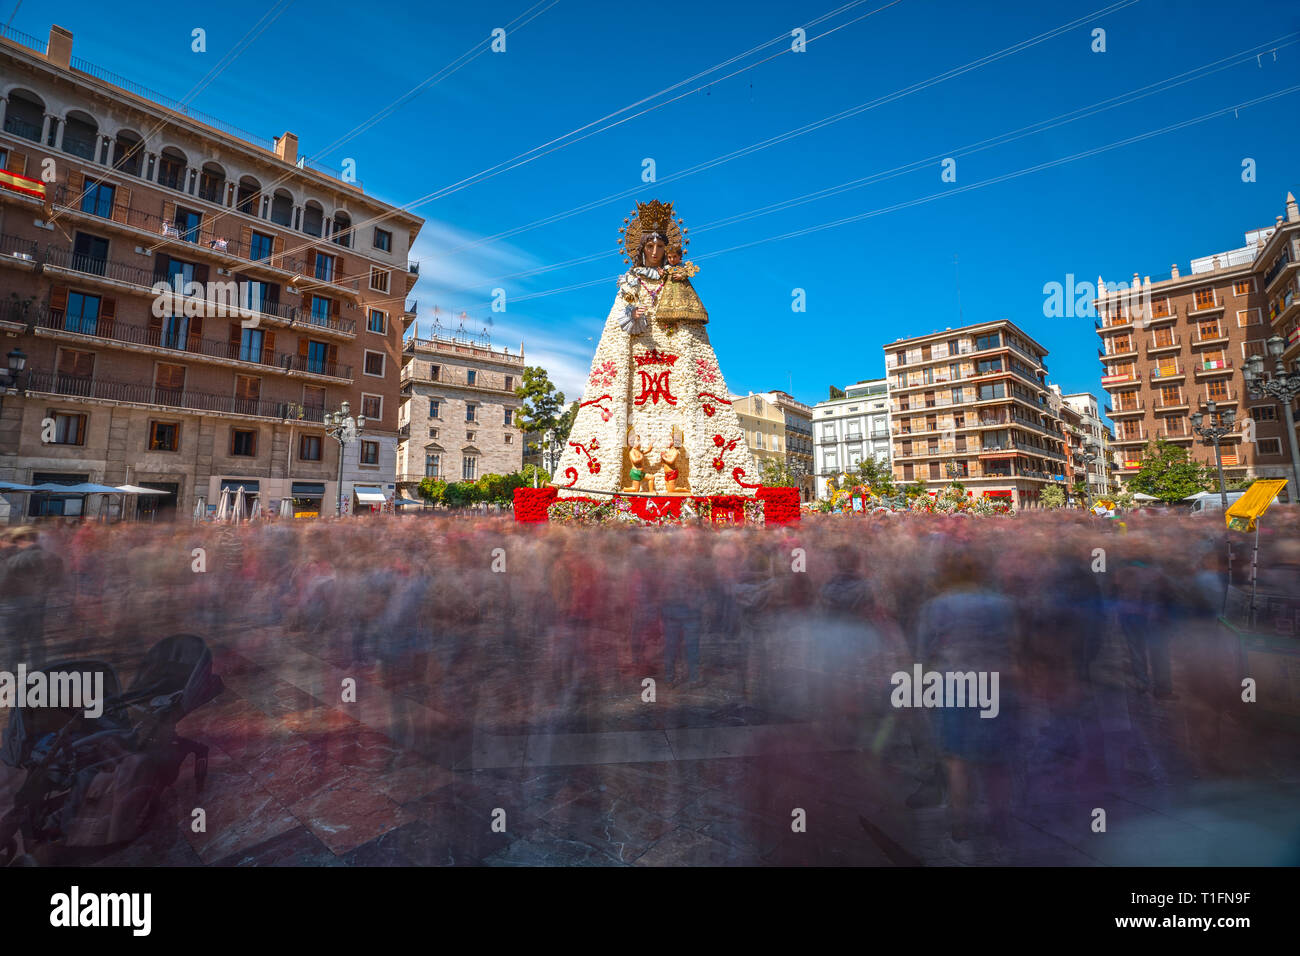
(457, 418)
(971, 403)
(288, 298)
(1172, 346)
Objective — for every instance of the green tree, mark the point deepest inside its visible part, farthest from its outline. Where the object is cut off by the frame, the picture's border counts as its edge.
(458, 494)
(541, 411)
(914, 490)
(432, 489)
(1053, 496)
(776, 473)
(876, 475)
(836, 393)
(1166, 471)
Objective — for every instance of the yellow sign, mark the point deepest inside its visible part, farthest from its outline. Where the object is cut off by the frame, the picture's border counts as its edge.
(306, 514)
(1243, 512)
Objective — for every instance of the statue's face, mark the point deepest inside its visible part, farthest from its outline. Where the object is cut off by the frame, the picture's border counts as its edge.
(654, 253)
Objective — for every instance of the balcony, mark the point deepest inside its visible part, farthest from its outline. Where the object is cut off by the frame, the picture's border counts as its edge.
(1118, 350)
(1202, 309)
(1135, 437)
(1178, 404)
(1162, 311)
(1273, 272)
(1205, 369)
(1176, 434)
(21, 127)
(1228, 396)
(1284, 305)
(127, 333)
(1158, 345)
(1168, 374)
(134, 393)
(1120, 378)
(1127, 408)
(1121, 321)
(1215, 336)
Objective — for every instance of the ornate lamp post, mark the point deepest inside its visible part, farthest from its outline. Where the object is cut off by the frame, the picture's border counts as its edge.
(343, 428)
(1089, 459)
(1221, 424)
(1282, 386)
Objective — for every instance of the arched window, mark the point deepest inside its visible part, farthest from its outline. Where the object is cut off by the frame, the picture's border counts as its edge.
(249, 196)
(212, 183)
(25, 115)
(313, 218)
(128, 150)
(171, 169)
(343, 229)
(282, 208)
(81, 135)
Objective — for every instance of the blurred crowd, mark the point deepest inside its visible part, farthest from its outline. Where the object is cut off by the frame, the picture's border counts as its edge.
(1104, 633)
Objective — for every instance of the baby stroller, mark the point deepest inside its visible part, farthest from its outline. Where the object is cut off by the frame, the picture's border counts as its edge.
(96, 782)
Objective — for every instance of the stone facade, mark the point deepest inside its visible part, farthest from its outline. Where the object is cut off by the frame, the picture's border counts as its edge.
(442, 380)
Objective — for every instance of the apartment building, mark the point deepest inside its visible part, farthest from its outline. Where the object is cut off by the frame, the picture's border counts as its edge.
(458, 414)
(799, 457)
(1172, 346)
(1095, 436)
(848, 429)
(191, 300)
(971, 404)
(764, 425)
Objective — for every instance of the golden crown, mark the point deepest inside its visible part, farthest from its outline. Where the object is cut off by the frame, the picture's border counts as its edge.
(651, 217)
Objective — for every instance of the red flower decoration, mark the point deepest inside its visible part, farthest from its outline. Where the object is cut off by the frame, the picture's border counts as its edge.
(719, 464)
(717, 440)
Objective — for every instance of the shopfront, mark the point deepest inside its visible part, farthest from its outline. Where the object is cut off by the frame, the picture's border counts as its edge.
(51, 504)
(369, 499)
(308, 498)
(252, 490)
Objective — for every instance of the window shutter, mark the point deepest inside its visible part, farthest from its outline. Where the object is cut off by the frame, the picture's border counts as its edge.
(332, 355)
(334, 309)
(76, 185)
(121, 203)
(201, 275)
(268, 347)
(195, 342)
(169, 211)
(155, 329)
(302, 347)
(234, 338)
(161, 262)
(107, 315)
(170, 377)
(17, 162)
(58, 298)
(277, 251)
(246, 240)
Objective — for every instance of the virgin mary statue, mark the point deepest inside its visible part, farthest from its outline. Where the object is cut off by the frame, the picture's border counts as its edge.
(655, 382)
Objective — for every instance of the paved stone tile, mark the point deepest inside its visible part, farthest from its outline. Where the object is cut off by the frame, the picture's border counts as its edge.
(598, 748)
(349, 814)
(685, 846)
(295, 847)
(611, 823)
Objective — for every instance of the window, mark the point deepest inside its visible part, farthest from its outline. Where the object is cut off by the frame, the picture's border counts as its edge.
(175, 332)
(994, 390)
(1218, 390)
(383, 240)
(90, 254)
(1243, 287)
(243, 444)
(432, 463)
(510, 383)
(309, 448)
(510, 416)
(169, 383)
(164, 436)
(313, 397)
(372, 406)
(990, 341)
(469, 436)
(375, 364)
(469, 468)
(758, 439)
(77, 366)
(471, 377)
(378, 322)
(248, 393)
(324, 267)
(317, 353)
(1204, 298)
(471, 413)
(1208, 330)
(253, 294)
(433, 432)
(435, 407)
(250, 345)
(69, 429)
(82, 313)
(1169, 395)
(369, 452)
(187, 224)
(98, 199)
(1270, 446)
(1264, 413)
(510, 439)
(433, 372)
(378, 279)
(169, 172)
(320, 309)
(260, 247)
(1248, 317)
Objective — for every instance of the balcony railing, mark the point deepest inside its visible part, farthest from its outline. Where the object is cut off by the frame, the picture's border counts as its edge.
(21, 127)
(1165, 373)
(105, 268)
(1269, 276)
(120, 331)
(85, 148)
(140, 394)
(17, 248)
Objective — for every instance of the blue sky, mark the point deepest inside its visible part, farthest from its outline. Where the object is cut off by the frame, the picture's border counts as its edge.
(320, 69)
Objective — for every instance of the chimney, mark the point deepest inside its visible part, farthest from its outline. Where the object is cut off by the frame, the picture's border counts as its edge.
(60, 48)
(1173, 270)
(1292, 212)
(286, 147)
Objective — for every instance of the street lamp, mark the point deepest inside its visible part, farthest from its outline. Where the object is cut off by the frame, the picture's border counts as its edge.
(1282, 386)
(17, 362)
(1221, 424)
(1089, 459)
(343, 428)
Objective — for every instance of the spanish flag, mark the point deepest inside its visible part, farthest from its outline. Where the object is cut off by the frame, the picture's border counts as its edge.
(21, 184)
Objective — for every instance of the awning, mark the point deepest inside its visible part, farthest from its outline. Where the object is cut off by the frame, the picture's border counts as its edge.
(308, 489)
(399, 502)
(137, 490)
(249, 485)
(369, 495)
